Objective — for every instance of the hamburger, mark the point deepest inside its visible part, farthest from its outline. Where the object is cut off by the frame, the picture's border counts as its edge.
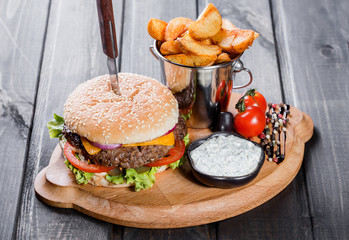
(121, 140)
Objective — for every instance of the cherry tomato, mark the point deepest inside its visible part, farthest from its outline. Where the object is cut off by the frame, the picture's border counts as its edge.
(256, 100)
(251, 98)
(175, 154)
(69, 153)
(250, 123)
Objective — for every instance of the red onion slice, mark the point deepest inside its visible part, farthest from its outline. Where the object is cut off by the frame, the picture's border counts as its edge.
(171, 130)
(106, 146)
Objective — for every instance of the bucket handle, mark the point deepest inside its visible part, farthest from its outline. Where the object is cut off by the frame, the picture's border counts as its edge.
(238, 67)
(151, 49)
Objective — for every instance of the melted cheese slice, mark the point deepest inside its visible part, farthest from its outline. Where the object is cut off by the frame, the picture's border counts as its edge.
(89, 147)
(167, 140)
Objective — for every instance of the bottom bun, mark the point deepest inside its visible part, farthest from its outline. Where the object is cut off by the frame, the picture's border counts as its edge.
(99, 180)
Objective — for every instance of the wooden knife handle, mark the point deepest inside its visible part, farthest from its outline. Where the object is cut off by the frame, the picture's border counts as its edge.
(105, 14)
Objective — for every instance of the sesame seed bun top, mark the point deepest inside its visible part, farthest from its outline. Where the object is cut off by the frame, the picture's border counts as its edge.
(144, 110)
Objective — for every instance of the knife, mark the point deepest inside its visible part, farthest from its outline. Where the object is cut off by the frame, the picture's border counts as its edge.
(108, 36)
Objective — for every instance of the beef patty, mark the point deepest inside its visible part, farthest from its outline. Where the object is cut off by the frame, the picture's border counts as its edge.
(127, 157)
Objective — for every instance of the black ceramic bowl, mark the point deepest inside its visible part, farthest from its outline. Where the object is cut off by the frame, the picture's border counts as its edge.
(220, 181)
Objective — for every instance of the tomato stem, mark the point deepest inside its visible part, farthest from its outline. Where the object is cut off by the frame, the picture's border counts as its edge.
(240, 105)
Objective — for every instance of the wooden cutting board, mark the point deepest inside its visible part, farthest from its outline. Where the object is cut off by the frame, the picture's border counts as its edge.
(177, 199)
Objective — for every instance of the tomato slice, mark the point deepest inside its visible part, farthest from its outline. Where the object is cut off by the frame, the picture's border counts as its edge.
(69, 152)
(175, 154)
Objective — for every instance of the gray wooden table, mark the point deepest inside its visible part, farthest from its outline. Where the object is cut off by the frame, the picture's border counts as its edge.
(48, 47)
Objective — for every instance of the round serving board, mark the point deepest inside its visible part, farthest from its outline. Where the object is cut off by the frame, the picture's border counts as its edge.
(177, 199)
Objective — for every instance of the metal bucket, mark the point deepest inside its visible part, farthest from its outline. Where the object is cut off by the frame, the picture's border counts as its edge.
(205, 91)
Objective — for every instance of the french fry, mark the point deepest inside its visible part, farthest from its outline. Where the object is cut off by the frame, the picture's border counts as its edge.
(186, 36)
(199, 48)
(224, 39)
(219, 37)
(222, 58)
(192, 60)
(170, 48)
(226, 24)
(207, 25)
(210, 64)
(207, 41)
(235, 40)
(176, 27)
(156, 29)
(243, 39)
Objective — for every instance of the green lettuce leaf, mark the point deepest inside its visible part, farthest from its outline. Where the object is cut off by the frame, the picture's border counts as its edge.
(115, 179)
(81, 176)
(55, 126)
(141, 180)
(177, 163)
(186, 139)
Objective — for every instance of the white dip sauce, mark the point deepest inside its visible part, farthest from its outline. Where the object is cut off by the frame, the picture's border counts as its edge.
(228, 156)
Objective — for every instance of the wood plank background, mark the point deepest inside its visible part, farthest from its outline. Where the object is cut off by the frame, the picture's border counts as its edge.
(49, 47)
(22, 33)
(72, 54)
(313, 55)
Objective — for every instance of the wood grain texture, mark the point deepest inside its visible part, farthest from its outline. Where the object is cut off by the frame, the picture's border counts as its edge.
(22, 31)
(312, 45)
(289, 206)
(72, 54)
(137, 58)
(207, 231)
(314, 61)
(177, 199)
